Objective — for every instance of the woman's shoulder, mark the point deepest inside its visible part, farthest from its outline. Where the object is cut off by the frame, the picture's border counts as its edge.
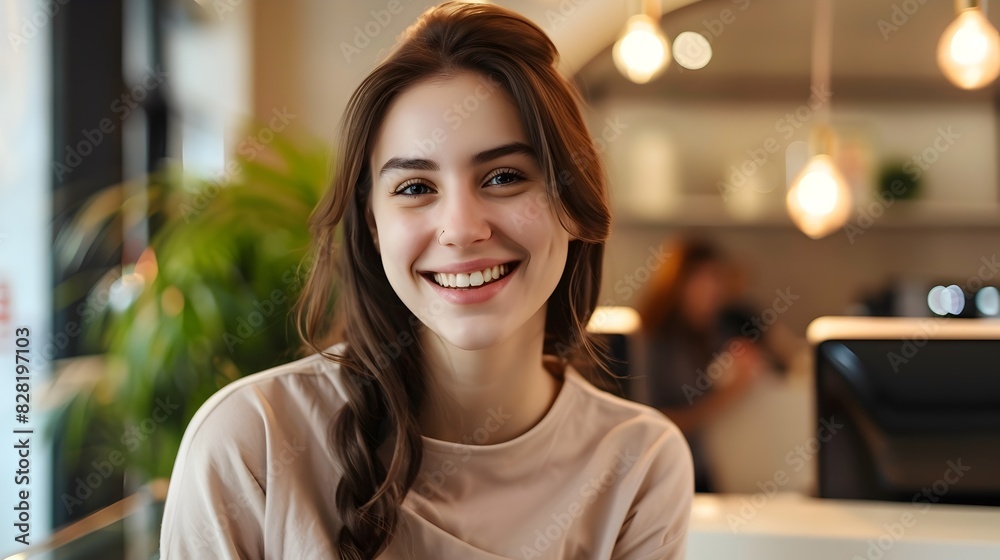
(610, 421)
(238, 414)
(611, 412)
(235, 446)
(652, 462)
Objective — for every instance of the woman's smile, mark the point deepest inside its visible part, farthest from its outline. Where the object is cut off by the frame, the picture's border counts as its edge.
(466, 288)
(471, 273)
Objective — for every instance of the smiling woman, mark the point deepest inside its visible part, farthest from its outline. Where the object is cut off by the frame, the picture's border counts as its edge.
(438, 416)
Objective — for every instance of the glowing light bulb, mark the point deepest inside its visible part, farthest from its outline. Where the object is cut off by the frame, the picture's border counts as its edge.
(692, 50)
(641, 52)
(953, 299)
(988, 301)
(819, 200)
(614, 320)
(934, 301)
(969, 50)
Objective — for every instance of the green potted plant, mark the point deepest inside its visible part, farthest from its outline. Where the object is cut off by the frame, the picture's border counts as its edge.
(206, 303)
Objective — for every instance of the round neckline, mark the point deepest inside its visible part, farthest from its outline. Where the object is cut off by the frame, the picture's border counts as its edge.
(553, 414)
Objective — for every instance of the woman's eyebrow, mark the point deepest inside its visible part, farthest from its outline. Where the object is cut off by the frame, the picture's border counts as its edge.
(500, 151)
(408, 163)
(420, 164)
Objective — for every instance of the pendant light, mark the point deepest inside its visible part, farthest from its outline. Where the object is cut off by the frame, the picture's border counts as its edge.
(969, 49)
(642, 52)
(819, 199)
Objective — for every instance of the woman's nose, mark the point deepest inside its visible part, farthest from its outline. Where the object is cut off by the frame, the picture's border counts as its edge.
(464, 219)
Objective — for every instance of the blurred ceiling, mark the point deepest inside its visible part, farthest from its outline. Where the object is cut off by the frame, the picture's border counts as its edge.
(882, 49)
(764, 53)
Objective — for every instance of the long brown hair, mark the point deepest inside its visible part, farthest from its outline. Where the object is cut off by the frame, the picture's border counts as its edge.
(386, 388)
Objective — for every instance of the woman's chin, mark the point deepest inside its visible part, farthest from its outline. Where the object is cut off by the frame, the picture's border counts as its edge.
(471, 339)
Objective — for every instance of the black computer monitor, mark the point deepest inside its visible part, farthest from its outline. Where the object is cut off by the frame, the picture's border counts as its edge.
(919, 405)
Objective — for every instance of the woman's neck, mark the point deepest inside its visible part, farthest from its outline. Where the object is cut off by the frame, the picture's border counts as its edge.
(487, 396)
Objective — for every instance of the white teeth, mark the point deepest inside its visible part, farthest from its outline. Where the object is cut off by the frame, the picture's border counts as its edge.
(472, 279)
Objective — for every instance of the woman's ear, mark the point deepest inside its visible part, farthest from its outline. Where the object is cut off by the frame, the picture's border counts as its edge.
(370, 220)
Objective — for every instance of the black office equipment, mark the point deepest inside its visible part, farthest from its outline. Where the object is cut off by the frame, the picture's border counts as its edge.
(919, 402)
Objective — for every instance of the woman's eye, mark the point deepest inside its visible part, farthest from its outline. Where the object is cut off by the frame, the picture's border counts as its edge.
(412, 189)
(505, 177)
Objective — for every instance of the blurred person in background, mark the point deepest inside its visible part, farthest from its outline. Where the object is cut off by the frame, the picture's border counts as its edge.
(703, 349)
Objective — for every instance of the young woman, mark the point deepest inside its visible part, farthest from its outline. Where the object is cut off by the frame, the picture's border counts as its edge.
(463, 236)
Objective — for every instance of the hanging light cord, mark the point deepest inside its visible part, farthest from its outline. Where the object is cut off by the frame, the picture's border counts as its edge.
(654, 10)
(822, 55)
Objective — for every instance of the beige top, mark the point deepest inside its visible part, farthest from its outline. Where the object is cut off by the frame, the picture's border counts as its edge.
(597, 478)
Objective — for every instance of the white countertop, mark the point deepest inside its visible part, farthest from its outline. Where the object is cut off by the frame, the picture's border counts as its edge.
(788, 525)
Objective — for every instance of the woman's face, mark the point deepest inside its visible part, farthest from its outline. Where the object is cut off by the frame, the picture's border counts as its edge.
(703, 296)
(458, 198)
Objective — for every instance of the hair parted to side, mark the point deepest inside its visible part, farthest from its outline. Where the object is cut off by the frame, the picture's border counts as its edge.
(385, 393)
